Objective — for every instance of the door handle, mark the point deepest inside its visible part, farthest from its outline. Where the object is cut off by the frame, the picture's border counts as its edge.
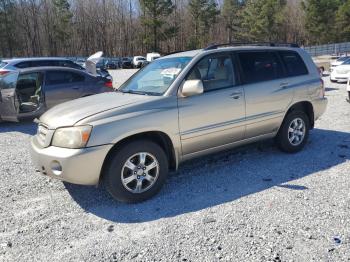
(236, 95)
(75, 88)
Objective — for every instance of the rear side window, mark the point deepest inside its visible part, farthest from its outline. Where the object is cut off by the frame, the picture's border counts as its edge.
(67, 63)
(43, 63)
(63, 77)
(260, 66)
(294, 64)
(23, 64)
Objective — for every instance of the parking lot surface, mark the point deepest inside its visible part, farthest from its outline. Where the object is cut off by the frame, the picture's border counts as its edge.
(249, 204)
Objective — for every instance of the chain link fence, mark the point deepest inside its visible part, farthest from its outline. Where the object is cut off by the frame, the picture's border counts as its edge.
(330, 49)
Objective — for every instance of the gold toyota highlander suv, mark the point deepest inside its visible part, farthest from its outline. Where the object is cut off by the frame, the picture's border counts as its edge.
(178, 107)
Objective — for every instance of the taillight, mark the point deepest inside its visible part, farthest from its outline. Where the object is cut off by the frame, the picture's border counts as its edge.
(109, 84)
(4, 72)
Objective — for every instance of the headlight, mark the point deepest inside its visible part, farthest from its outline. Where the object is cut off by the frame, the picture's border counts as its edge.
(72, 137)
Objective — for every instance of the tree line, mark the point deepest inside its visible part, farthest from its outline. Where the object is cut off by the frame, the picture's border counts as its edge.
(134, 27)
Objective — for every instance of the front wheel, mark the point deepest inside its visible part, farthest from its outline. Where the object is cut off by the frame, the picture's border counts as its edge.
(136, 172)
(294, 132)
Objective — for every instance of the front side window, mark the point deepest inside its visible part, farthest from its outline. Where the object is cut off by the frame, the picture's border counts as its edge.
(294, 64)
(62, 77)
(155, 78)
(215, 72)
(260, 66)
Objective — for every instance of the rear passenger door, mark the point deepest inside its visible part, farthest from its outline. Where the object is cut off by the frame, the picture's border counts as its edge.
(267, 91)
(61, 86)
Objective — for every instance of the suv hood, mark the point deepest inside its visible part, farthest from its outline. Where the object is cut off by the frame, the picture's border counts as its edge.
(69, 113)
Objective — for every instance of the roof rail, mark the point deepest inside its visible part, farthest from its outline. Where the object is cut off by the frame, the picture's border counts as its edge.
(215, 46)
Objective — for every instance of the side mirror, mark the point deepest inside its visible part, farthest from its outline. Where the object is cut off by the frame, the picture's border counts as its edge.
(192, 88)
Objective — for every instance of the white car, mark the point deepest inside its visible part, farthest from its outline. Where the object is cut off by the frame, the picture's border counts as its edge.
(341, 72)
(338, 62)
(152, 56)
(138, 61)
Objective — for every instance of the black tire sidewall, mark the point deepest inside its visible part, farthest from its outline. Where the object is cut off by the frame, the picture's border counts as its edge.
(282, 137)
(112, 176)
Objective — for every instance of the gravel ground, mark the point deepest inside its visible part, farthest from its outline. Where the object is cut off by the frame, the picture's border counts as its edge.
(249, 204)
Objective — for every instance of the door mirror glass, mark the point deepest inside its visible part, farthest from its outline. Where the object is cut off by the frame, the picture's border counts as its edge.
(192, 88)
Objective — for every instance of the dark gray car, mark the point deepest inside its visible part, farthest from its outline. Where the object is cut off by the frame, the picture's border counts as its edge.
(30, 92)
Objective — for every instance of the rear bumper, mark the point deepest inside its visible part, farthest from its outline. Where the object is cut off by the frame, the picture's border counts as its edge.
(77, 166)
(320, 106)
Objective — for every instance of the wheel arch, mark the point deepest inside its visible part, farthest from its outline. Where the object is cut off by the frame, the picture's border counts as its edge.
(305, 106)
(158, 137)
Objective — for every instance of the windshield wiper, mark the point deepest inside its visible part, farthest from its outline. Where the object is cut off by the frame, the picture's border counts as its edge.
(139, 92)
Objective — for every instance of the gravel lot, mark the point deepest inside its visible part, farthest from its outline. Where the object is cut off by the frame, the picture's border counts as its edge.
(249, 204)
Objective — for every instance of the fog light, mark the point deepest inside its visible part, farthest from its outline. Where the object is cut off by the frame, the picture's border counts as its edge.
(56, 168)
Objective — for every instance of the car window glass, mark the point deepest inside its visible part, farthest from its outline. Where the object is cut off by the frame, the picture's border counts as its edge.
(67, 63)
(157, 77)
(215, 73)
(23, 64)
(8, 81)
(63, 77)
(294, 64)
(346, 62)
(31, 81)
(43, 63)
(260, 66)
(2, 64)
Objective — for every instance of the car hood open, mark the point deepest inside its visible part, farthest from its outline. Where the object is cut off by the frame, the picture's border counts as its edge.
(69, 113)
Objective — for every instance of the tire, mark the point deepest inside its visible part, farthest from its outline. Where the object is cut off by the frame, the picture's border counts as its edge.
(334, 81)
(116, 170)
(284, 136)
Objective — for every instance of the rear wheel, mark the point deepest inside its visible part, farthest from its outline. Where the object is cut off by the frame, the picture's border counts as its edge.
(136, 172)
(294, 132)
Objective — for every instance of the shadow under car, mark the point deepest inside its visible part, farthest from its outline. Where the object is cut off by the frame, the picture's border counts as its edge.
(222, 178)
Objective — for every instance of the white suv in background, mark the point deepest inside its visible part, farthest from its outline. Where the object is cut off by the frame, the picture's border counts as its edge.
(341, 72)
(138, 61)
(338, 62)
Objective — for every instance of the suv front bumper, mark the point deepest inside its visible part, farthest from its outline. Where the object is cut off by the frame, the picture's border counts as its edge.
(78, 166)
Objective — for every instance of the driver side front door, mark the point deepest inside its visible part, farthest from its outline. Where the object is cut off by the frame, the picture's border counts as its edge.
(215, 118)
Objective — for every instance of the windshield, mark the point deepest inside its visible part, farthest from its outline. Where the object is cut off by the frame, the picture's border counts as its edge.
(343, 58)
(347, 62)
(155, 78)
